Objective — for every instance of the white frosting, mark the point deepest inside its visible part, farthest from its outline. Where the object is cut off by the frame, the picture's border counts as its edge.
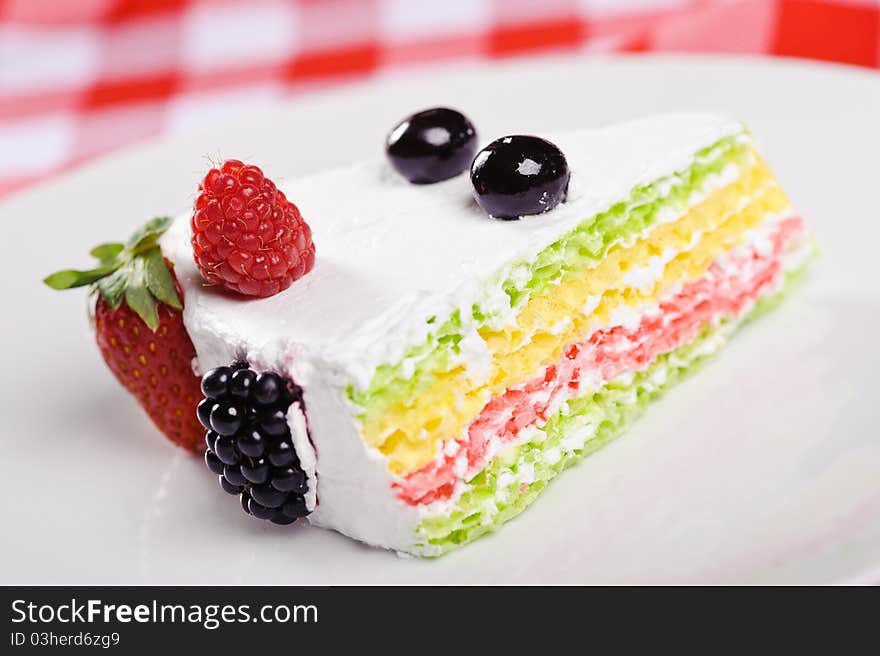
(389, 256)
(308, 459)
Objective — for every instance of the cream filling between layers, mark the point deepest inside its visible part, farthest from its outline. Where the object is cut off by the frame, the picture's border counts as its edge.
(709, 237)
(757, 239)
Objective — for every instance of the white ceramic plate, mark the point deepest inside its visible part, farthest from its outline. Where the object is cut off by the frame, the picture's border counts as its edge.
(765, 467)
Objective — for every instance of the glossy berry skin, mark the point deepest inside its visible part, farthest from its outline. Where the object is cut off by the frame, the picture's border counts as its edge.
(156, 367)
(519, 175)
(432, 145)
(268, 389)
(215, 381)
(214, 463)
(203, 411)
(246, 236)
(227, 418)
(249, 444)
(240, 383)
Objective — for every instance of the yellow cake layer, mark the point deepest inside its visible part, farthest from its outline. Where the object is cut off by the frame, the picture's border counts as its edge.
(411, 434)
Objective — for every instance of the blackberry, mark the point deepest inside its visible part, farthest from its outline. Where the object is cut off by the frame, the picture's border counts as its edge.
(249, 445)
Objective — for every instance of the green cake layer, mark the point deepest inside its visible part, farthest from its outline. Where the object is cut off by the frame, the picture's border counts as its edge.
(498, 493)
(569, 255)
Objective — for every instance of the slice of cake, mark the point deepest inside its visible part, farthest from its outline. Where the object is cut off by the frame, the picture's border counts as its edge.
(413, 365)
(451, 364)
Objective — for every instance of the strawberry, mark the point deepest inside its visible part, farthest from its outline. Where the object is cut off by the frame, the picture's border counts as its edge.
(139, 329)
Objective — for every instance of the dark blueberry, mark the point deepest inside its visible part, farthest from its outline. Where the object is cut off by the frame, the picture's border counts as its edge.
(232, 473)
(214, 463)
(256, 471)
(273, 422)
(211, 439)
(251, 443)
(432, 145)
(295, 506)
(245, 498)
(281, 454)
(268, 389)
(289, 479)
(258, 511)
(214, 382)
(229, 487)
(280, 518)
(241, 382)
(227, 418)
(267, 496)
(519, 175)
(203, 411)
(226, 452)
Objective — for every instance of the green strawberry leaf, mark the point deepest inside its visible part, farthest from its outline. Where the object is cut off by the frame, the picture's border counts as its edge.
(145, 237)
(70, 278)
(138, 296)
(107, 252)
(159, 280)
(134, 272)
(144, 305)
(112, 288)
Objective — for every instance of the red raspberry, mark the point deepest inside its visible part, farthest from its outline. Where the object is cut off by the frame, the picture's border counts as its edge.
(247, 237)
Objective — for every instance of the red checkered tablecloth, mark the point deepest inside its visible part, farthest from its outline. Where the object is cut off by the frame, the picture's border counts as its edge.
(79, 78)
